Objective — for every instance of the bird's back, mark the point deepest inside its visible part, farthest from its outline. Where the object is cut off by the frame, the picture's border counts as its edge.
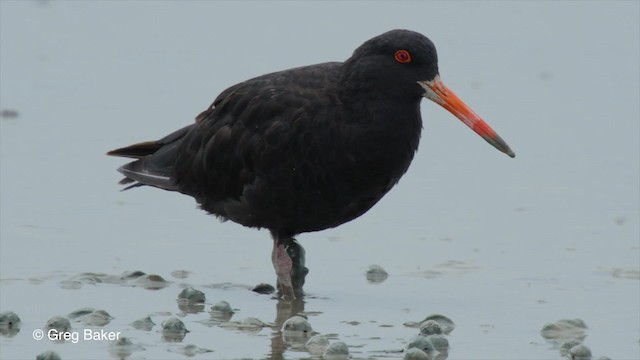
(284, 152)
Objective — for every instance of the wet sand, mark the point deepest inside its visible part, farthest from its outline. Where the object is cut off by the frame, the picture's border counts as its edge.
(505, 248)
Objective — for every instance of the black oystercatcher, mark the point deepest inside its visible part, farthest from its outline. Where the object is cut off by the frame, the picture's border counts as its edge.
(305, 149)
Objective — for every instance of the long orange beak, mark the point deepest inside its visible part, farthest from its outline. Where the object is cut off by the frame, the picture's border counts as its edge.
(436, 91)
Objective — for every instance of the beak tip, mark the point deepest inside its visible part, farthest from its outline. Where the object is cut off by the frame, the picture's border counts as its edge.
(497, 142)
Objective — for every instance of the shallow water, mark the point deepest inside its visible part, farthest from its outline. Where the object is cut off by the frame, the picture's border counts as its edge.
(501, 246)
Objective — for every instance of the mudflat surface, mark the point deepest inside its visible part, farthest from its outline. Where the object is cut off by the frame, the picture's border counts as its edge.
(501, 246)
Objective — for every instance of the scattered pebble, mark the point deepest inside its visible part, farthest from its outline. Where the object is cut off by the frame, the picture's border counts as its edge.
(97, 318)
(422, 343)
(317, 345)
(173, 324)
(296, 330)
(80, 312)
(9, 323)
(565, 329)
(91, 316)
(415, 354)
(430, 327)
(48, 355)
(145, 324)
(298, 324)
(59, 323)
(192, 295)
(249, 324)
(221, 311)
(151, 282)
(566, 346)
(131, 275)
(222, 307)
(191, 300)
(173, 330)
(446, 324)
(190, 350)
(252, 324)
(376, 274)
(580, 352)
(337, 351)
(441, 345)
(263, 288)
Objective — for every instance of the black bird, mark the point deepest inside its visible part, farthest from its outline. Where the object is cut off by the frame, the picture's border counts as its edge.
(308, 148)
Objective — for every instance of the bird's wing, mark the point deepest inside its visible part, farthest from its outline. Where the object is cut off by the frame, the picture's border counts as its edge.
(248, 134)
(235, 142)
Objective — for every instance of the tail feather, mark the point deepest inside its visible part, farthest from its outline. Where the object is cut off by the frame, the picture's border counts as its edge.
(155, 162)
(145, 172)
(138, 150)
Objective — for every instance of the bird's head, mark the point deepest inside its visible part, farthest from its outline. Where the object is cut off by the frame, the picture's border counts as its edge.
(403, 64)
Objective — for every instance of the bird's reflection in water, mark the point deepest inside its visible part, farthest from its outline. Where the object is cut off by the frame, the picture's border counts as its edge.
(285, 309)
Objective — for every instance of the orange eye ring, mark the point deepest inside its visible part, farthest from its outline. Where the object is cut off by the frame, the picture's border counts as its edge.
(403, 56)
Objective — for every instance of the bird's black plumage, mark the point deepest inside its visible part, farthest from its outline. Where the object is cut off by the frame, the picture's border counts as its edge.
(303, 149)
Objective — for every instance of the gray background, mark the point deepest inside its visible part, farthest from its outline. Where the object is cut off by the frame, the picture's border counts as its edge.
(500, 245)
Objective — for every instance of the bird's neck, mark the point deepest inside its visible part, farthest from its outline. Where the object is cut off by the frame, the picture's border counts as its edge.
(375, 98)
(378, 115)
(386, 132)
(376, 111)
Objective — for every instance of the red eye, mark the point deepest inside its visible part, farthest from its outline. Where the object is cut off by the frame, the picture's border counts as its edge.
(403, 56)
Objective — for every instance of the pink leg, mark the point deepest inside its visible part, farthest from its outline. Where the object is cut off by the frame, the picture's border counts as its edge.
(283, 265)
